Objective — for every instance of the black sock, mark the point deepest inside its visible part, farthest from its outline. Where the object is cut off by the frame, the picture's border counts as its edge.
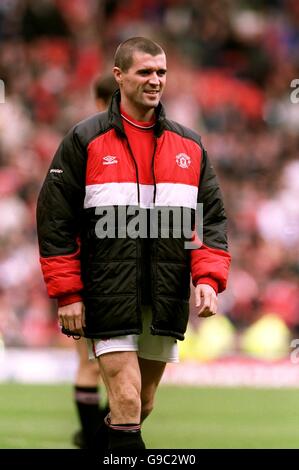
(100, 441)
(124, 436)
(87, 403)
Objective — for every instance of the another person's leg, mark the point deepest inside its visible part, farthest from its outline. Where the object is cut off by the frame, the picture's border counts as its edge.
(87, 396)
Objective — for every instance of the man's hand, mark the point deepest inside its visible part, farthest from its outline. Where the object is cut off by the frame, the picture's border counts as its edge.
(206, 300)
(72, 317)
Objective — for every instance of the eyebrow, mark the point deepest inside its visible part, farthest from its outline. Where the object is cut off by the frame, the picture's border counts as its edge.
(151, 69)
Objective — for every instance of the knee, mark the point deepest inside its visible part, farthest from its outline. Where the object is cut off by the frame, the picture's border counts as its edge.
(125, 403)
(129, 396)
(147, 407)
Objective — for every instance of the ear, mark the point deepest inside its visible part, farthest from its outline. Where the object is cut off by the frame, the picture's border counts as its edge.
(117, 74)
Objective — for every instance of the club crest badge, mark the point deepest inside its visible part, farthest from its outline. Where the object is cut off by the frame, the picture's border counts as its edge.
(183, 160)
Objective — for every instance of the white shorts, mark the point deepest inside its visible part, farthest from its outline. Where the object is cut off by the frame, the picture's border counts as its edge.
(148, 346)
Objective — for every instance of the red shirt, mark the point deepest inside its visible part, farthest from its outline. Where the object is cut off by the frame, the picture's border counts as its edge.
(141, 138)
(142, 142)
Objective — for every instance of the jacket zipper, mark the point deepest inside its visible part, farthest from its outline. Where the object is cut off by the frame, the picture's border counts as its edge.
(136, 169)
(138, 198)
(138, 247)
(153, 274)
(153, 169)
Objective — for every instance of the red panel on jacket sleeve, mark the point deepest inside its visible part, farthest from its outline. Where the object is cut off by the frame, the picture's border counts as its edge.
(62, 274)
(210, 266)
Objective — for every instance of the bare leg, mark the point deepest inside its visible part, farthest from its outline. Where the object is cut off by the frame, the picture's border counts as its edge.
(121, 374)
(151, 374)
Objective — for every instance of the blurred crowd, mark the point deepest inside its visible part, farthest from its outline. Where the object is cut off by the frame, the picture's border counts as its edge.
(230, 68)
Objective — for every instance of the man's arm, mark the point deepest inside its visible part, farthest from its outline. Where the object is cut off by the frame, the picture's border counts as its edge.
(59, 210)
(210, 262)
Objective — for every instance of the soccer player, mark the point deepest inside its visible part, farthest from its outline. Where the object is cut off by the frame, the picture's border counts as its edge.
(121, 282)
(86, 388)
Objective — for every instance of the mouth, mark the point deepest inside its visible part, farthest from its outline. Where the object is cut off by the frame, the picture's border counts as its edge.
(152, 92)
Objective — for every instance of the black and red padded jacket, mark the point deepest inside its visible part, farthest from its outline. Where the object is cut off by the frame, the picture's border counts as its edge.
(93, 174)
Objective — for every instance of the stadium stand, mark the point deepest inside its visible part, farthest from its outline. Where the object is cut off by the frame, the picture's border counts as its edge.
(233, 89)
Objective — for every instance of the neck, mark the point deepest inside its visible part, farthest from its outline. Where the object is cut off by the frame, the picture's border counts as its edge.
(145, 115)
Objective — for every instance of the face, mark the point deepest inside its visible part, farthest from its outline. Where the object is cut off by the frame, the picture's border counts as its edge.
(142, 85)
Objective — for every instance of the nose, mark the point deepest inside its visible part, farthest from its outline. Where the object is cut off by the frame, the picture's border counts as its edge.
(154, 79)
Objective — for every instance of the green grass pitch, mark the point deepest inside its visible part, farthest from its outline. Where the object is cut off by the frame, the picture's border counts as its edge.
(44, 417)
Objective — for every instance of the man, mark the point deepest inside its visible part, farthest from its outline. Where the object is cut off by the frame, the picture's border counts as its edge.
(127, 293)
(86, 388)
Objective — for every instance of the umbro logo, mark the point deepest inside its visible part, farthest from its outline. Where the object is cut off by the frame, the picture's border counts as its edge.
(109, 160)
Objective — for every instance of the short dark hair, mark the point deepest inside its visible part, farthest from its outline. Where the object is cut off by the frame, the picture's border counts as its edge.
(124, 53)
(104, 87)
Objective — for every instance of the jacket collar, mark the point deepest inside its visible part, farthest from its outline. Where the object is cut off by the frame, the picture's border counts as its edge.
(115, 118)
